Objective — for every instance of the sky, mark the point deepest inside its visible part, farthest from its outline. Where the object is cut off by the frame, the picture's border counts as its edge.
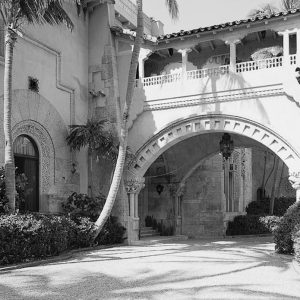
(198, 13)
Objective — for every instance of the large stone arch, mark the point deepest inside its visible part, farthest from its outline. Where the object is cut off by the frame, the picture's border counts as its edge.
(185, 128)
(46, 150)
(37, 117)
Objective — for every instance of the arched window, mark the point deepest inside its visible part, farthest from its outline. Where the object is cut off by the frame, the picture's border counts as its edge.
(24, 146)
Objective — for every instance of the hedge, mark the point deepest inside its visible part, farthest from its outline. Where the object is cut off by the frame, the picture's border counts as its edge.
(296, 240)
(262, 207)
(33, 236)
(248, 224)
(285, 229)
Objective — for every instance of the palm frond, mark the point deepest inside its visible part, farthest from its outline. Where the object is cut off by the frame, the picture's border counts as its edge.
(290, 4)
(34, 11)
(265, 10)
(173, 8)
(92, 135)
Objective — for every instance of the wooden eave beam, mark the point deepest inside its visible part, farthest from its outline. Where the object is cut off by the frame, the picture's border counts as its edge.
(212, 46)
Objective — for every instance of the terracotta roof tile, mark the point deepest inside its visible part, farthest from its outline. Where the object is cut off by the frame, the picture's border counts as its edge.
(225, 25)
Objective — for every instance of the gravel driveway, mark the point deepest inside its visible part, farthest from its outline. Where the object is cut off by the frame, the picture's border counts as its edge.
(240, 268)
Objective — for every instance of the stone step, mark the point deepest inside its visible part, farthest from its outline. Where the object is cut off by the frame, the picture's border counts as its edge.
(148, 231)
(143, 235)
(159, 239)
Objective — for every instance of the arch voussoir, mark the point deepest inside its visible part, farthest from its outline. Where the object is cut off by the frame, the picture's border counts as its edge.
(195, 125)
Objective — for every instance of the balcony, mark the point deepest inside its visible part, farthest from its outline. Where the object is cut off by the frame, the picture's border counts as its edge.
(126, 13)
(247, 77)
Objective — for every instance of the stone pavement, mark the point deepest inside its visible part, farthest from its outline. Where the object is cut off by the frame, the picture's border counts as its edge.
(240, 268)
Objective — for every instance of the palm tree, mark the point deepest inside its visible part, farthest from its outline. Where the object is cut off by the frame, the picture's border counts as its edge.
(14, 14)
(269, 9)
(123, 136)
(265, 10)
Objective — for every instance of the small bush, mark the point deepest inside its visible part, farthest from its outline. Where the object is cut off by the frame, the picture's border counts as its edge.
(270, 222)
(262, 207)
(285, 229)
(32, 236)
(248, 224)
(112, 232)
(296, 241)
(3, 199)
(148, 221)
(81, 205)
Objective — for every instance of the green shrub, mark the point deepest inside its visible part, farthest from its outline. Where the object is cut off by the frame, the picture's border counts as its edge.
(286, 227)
(112, 232)
(262, 207)
(148, 221)
(247, 224)
(32, 236)
(81, 205)
(3, 199)
(84, 211)
(270, 222)
(296, 241)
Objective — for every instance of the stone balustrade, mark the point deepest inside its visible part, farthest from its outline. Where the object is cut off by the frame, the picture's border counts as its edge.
(247, 66)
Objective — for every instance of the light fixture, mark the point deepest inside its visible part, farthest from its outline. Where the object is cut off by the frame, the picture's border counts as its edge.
(159, 189)
(226, 146)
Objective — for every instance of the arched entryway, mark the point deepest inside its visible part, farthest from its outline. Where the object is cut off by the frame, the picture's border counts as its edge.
(247, 131)
(26, 156)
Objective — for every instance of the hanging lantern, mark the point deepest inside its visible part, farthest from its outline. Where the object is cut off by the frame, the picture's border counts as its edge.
(226, 146)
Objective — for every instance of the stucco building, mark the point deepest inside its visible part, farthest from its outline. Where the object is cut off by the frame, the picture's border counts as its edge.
(192, 87)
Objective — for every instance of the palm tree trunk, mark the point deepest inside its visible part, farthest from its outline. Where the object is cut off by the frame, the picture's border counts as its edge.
(10, 39)
(118, 172)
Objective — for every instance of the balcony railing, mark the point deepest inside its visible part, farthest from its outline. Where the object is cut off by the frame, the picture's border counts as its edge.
(162, 79)
(202, 73)
(248, 66)
(129, 11)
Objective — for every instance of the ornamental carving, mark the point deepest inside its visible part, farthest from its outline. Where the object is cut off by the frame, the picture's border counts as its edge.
(295, 181)
(181, 190)
(134, 186)
(46, 150)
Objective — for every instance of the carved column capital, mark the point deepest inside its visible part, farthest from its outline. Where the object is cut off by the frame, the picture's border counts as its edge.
(181, 189)
(173, 188)
(134, 185)
(295, 181)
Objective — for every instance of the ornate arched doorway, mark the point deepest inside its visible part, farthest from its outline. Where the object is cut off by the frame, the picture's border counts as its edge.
(26, 156)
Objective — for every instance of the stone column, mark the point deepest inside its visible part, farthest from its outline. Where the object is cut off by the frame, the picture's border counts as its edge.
(133, 187)
(144, 54)
(298, 46)
(286, 48)
(232, 49)
(178, 208)
(184, 54)
(294, 179)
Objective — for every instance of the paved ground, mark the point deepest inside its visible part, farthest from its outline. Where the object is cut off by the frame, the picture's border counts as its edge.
(216, 269)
